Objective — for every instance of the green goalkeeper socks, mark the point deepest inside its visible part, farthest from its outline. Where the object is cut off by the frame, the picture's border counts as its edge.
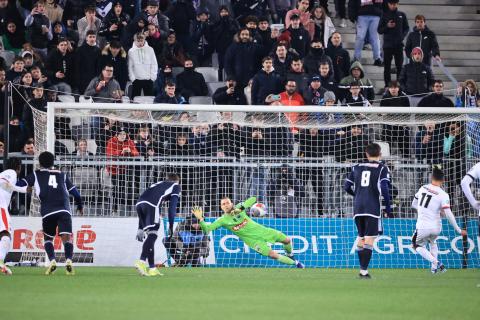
(285, 260)
(288, 248)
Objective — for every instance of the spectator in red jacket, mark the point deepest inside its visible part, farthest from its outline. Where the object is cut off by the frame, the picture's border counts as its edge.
(291, 97)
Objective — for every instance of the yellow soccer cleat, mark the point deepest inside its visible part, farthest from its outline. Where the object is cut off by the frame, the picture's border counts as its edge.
(69, 268)
(52, 267)
(141, 267)
(154, 272)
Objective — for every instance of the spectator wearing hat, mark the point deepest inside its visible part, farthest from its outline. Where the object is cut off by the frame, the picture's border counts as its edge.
(394, 26)
(60, 66)
(223, 31)
(27, 57)
(366, 14)
(315, 57)
(357, 74)
(115, 55)
(299, 37)
(114, 24)
(142, 67)
(202, 39)
(231, 94)
(87, 61)
(339, 56)
(266, 82)
(182, 15)
(436, 99)
(305, 17)
(59, 31)
(314, 93)
(88, 23)
(190, 82)
(39, 27)
(421, 36)
(416, 77)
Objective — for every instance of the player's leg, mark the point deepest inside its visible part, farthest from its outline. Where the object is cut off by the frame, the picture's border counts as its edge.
(438, 266)
(5, 240)
(49, 226)
(65, 232)
(151, 218)
(372, 229)
(287, 246)
(360, 222)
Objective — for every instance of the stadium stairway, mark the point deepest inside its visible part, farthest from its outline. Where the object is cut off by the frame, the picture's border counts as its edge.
(457, 26)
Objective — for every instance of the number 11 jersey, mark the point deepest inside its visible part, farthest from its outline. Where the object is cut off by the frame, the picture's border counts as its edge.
(431, 201)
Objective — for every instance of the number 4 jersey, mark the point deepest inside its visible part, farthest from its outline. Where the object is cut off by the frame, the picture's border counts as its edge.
(431, 201)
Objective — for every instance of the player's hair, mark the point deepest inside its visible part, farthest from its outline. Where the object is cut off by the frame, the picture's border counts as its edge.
(46, 159)
(13, 163)
(437, 174)
(173, 177)
(373, 150)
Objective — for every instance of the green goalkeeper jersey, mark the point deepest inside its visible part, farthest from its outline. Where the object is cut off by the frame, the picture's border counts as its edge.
(241, 224)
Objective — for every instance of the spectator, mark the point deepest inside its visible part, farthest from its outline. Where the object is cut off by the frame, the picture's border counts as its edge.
(154, 40)
(88, 23)
(198, 139)
(169, 96)
(241, 58)
(339, 56)
(23, 92)
(53, 11)
(142, 67)
(16, 139)
(144, 142)
(291, 97)
(357, 74)
(324, 27)
(223, 31)
(16, 70)
(40, 28)
(467, 95)
(74, 10)
(279, 9)
(367, 16)
(87, 61)
(416, 78)
(182, 16)
(265, 35)
(60, 66)
(114, 24)
(38, 102)
(429, 143)
(394, 26)
(251, 23)
(164, 75)
(9, 12)
(231, 94)
(59, 32)
(351, 144)
(354, 98)
(104, 88)
(82, 149)
(13, 38)
(341, 12)
(190, 82)
(173, 53)
(152, 14)
(282, 60)
(39, 78)
(436, 98)
(287, 190)
(315, 57)
(267, 81)
(202, 39)
(297, 74)
(300, 39)
(115, 55)
(28, 148)
(305, 17)
(314, 93)
(181, 147)
(108, 129)
(399, 134)
(28, 59)
(326, 77)
(423, 37)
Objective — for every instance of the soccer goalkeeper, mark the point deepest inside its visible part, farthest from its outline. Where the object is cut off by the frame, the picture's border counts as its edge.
(253, 234)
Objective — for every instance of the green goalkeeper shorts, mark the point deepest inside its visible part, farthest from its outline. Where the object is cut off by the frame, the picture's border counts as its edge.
(262, 244)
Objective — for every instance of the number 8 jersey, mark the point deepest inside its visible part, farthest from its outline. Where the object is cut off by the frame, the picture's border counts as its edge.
(431, 201)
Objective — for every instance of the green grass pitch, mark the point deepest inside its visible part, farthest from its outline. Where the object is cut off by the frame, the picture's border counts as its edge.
(247, 294)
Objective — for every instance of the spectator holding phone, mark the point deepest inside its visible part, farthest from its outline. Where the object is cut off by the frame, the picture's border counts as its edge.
(267, 81)
(231, 94)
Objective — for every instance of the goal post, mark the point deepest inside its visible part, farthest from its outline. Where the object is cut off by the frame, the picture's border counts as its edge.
(293, 159)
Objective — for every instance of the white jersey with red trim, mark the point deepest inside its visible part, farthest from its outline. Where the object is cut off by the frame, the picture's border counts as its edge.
(431, 201)
(5, 194)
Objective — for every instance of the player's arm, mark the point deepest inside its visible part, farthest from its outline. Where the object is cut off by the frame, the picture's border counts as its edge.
(72, 189)
(385, 190)
(172, 211)
(466, 182)
(348, 185)
(22, 185)
(247, 204)
(206, 227)
(415, 202)
(451, 219)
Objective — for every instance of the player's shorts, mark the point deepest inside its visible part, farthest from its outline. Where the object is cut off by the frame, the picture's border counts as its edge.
(149, 216)
(368, 226)
(62, 220)
(5, 224)
(262, 244)
(423, 236)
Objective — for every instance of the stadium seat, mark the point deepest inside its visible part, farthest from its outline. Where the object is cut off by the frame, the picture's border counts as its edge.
(210, 74)
(143, 99)
(213, 86)
(200, 100)
(8, 56)
(66, 98)
(70, 144)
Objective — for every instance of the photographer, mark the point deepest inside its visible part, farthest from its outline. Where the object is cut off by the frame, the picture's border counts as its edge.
(231, 94)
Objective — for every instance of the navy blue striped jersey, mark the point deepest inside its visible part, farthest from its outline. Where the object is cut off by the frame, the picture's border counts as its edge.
(366, 179)
(160, 192)
(52, 188)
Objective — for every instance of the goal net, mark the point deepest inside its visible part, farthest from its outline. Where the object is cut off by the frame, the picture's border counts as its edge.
(294, 160)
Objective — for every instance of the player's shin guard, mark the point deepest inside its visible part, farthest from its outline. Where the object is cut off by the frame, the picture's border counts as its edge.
(367, 255)
(426, 254)
(49, 249)
(285, 260)
(68, 245)
(4, 247)
(148, 249)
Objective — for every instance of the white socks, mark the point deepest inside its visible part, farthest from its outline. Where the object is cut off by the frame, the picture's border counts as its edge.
(434, 252)
(4, 247)
(426, 255)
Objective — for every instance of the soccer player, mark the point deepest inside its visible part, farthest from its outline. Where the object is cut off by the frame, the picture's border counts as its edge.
(471, 176)
(255, 235)
(53, 188)
(148, 210)
(430, 201)
(7, 178)
(365, 183)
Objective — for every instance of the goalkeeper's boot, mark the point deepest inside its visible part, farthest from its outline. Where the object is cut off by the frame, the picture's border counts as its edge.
(141, 267)
(299, 265)
(5, 270)
(69, 268)
(52, 267)
(154, 272)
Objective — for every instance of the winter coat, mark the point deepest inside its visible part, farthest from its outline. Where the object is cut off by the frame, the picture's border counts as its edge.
(340, 60)
(119, 63)
(142, 63)
(427, 40)
(191, 83)
(299, 40)
(432, 150)
(312, 61)
(416, 78)
(115, 149)
(436, 101)
(162, 22)
(400, 101)
(242, 61)
(314, 97)
(164, 98)
(87, 65)
(393, 37)
(327, 30)
(264, 84)
(223, 31)
(64, 63)
(37, 38)
(181, 15)
(236, 98)
(110, 19)
(366, 85)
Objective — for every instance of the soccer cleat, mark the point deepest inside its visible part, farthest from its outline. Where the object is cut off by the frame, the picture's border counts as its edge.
(440, 268)
(141, 267)
(364, 276)
(154, 272)
(69, 268)
(5, 270)
(299, 265)
(51, 268)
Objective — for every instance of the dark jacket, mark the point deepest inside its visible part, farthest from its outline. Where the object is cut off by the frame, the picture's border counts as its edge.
(329, 84)
(301, 79)
(10, 13)
(340, 60)
(427, 40)
(356, 8)
(164, 98)
(299, 40)
(87, 65)
(74, 10)
(163, 22)
(64, 63)
(191, 83)
(416, 78)
(312, 61)
(236, 98)
(181, 15)
(265, 84)
(36, 36)
(314, 97)
(110, 19)
(436, 101)
(282, 67)
(119, 63)
(389, 101)
(242, 61)
(393, 37)
(201, 40)
(223, 31)
(432, 150)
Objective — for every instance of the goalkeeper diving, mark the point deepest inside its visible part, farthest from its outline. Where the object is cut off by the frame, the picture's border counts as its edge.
(255, 235)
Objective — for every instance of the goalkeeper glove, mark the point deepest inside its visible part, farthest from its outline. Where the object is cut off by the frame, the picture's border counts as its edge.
(197, 212)
(140, 235)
